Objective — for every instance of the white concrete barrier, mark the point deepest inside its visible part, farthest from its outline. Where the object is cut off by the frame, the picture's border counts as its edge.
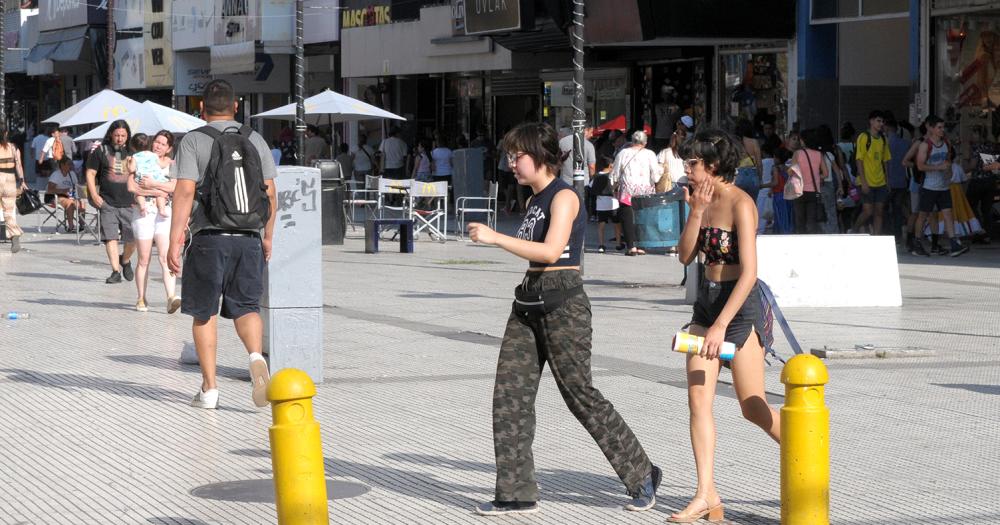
(292, 306)
(830, 270)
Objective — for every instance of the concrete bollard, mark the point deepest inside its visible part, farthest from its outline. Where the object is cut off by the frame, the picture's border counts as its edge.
(296, 450)
(805, 443)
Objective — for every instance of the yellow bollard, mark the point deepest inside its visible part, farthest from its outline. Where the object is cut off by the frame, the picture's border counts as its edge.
(296, 450)
(805, 443)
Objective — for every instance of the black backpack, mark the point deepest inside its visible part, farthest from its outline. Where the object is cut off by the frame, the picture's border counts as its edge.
(232, 193)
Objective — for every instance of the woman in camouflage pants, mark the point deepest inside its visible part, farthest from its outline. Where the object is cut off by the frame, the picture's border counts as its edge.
(550, 323)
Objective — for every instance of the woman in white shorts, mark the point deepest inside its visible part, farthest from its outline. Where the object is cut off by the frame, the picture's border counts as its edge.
(151, 179)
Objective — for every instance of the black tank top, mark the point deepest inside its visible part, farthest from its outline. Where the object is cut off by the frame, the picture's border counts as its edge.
(536, 225)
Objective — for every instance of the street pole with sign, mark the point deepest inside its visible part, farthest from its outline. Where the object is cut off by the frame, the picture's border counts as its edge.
(111, 44)
(300, 106)
(3, 78)
(579, 113)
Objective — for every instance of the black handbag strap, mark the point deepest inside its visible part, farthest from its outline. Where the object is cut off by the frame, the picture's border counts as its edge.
(812, 170)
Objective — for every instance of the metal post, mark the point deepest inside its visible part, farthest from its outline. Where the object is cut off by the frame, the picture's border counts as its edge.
(111, 44)
(3, 77)
(300, 107)
(579, 112)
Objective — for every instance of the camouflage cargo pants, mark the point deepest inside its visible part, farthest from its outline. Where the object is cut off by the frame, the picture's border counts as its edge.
(562, 339)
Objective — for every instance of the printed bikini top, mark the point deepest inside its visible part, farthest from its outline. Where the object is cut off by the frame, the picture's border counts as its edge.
(719, 246)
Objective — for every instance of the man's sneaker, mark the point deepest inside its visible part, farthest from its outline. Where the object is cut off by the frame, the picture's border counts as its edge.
(938, 250)
(173, 304)
(127, 270)
(500, 508)
(15, 244)
(116, 277)
(259, 376)
(957, 248)
(209, 399)
(645, 499)
(600, 249)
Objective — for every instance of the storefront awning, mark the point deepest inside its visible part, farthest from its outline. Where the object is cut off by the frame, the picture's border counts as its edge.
(63, 45)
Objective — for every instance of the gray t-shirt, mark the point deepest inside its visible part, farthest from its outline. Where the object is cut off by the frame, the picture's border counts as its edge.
(589, 157)
(195, 150)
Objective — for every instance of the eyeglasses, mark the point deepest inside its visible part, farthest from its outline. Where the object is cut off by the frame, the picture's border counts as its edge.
(689, 164)
(512, 158)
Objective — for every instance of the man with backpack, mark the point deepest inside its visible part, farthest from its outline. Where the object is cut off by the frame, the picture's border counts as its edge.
(225, 195)
(872, 154)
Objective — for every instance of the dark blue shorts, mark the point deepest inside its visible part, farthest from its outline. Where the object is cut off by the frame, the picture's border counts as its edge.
(231, 267)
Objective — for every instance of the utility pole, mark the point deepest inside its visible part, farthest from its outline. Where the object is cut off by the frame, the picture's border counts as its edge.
(579, 103)
(300, 80)
(3, 77)
(111, 44)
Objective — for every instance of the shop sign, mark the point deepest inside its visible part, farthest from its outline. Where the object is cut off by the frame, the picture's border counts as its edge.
(60, 14)
(319, 22)
(159, 53)
(457, 17)
(191, 24)
(192, 70)
(495, 16)
(371, 15)
(236, 21)
(128, 14)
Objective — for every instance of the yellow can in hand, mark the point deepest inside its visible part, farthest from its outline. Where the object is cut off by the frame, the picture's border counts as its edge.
(686, 343)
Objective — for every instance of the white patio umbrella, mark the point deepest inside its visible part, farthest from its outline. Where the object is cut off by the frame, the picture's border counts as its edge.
(329, 107)
(104, 106)
(149, 118)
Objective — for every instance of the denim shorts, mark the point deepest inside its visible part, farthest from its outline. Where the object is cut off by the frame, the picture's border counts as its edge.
(712, 298)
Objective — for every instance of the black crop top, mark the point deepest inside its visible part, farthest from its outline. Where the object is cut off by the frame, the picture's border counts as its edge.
(719, 246)
(536, 225)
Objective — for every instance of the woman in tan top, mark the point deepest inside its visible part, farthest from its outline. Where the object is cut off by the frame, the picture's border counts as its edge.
(11, 186)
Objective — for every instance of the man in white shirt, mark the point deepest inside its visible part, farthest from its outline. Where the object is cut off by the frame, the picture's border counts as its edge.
(394, 150)
(566, 147)
(37, 145)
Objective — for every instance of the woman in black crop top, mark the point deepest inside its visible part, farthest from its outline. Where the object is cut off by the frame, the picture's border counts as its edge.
(722, 226)
(550, 323)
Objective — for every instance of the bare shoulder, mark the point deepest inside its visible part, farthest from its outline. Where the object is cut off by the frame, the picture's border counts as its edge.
(739, 200)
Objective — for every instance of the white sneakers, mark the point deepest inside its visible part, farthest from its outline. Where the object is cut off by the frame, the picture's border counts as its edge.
(209, 399)
(259, 377)
(173, 304)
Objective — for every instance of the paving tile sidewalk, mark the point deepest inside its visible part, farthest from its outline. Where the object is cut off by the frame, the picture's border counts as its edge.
(95, 426)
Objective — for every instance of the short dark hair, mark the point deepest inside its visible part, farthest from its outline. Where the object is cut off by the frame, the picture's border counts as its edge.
(139, 142)
(538, 140)
(847, 132)
(876, 113)
(65, 160)
(344, 148)
(717, 149)
(218, 97)
(933, 120)
(744, 128)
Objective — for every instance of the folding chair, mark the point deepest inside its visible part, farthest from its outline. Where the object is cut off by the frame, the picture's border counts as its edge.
(484, 205)
(51, 212)
(365, 198)
(431, 213)
(88, 223)
(388, 190)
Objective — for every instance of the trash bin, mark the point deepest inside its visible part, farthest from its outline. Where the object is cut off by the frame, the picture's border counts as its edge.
(659, 218)
(332, 183)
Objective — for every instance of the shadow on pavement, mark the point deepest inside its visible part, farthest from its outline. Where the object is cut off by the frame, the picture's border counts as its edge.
(979, 389)
(80, 304)
(173, 520)
(60, 276)
(71, 382)
(165, 363)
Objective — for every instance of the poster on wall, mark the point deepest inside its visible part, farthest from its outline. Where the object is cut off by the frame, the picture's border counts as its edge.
(280, 17)
(320, 21)
(191, 24)
(968, 80)
(236, 21)
(129, 72)
(159, 53)
(128, 14)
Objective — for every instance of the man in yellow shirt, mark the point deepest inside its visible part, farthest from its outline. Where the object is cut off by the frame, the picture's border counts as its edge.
(872, 154)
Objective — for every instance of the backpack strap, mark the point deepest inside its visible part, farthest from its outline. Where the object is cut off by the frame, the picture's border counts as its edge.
(208, 130)
(770, 301)
(246, 130)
